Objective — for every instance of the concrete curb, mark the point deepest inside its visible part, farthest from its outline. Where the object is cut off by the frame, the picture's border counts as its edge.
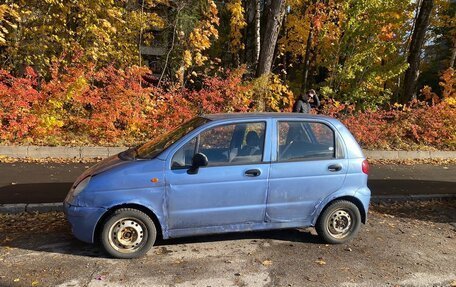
(412, 197)
(79, 152)
(31, 207)
(58, 206)
(82, 152)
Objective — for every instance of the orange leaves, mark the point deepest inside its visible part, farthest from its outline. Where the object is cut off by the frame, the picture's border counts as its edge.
(108, 106)
(399, 127)
(18, 98)
(387, 33)
(448, 84)
(220, 95)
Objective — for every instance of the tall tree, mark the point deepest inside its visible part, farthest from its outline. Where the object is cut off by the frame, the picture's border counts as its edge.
(305, 71)
(106, 31)
(416, 44)
(257, 31)
(271, 33)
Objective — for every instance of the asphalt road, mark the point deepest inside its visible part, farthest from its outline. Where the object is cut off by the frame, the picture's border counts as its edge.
(50, 182)
(407, 244)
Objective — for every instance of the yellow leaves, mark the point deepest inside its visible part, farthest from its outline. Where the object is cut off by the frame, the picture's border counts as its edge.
(200, 38)
(450, 101)
(297, 27)
(187, 58)
(77, 88)
(7, 17)
(49, 122)
(237, 23)
(200, 59)
(107, 26)
(320, 262)
(270, 94)
(56, 104)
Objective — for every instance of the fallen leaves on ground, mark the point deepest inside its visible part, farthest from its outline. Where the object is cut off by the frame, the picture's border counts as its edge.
(5, 159)
(426, 210)
(267, 262)
(409, 162)
(30, 223)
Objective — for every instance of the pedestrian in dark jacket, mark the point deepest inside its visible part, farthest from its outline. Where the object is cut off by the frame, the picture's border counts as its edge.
(307, 102)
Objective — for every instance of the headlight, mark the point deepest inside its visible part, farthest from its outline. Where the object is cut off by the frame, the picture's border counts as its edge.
(81, 185)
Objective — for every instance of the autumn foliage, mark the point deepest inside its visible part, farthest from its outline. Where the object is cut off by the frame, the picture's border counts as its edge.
(80, 104)
(401, 127)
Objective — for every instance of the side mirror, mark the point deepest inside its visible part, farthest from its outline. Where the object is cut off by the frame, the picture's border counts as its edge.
(198, 161)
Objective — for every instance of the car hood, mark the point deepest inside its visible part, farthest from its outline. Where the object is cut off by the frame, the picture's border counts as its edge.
(104, 165)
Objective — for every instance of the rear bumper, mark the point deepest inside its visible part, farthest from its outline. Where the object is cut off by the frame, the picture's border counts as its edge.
(83, 221)
(364, 195)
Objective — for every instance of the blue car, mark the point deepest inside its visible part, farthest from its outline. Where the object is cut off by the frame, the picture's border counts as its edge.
(225, 173)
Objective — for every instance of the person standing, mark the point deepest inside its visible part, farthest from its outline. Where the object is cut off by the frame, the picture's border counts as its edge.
(306, 102)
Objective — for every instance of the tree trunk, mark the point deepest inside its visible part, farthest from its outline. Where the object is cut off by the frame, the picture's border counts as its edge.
(305, 70)
(453, 55)
(257, 32)
(271, 34)
(416, 44)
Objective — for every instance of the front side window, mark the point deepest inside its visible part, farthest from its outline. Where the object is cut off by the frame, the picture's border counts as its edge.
(299, 140)
(225, 145)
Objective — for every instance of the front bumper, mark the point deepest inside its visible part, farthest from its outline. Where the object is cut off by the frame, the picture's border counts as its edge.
(83, 220)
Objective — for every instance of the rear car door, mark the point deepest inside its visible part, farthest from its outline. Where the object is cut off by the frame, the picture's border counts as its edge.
(308, 165)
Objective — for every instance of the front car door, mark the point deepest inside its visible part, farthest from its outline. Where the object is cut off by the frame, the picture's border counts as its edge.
(308, 165)
(231, 189)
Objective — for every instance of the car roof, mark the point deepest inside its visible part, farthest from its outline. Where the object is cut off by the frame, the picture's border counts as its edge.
(229, 116)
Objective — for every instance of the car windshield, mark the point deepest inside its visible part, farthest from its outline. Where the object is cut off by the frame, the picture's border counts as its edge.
(154, 147)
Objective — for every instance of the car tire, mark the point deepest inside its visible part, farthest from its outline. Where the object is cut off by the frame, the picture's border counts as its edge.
(128, 233)
(339, 222)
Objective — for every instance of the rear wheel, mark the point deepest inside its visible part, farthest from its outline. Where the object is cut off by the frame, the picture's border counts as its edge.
(128, 233)
(339, 222)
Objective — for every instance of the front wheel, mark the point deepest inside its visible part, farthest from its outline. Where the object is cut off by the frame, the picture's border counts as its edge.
(128, 233)
(339, 222)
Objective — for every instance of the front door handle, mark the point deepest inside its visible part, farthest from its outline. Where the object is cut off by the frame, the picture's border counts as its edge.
(253, 172)
(335, 167)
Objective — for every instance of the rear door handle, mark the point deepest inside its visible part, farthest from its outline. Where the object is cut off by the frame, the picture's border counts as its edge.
(335, 167)
(253, 172)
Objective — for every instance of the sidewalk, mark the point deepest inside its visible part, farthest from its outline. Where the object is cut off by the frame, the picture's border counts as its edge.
(43, 187)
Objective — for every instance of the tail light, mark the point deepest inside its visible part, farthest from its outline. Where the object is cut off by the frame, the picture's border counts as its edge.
(365, 166)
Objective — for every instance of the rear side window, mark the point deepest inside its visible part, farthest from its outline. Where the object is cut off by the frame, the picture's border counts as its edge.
(300, 140)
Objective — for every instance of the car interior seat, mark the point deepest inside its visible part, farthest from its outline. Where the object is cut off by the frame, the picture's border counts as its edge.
(252, 146)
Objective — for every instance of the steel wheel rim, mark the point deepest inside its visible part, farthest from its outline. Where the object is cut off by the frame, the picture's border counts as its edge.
(127, 235)
(340, 223)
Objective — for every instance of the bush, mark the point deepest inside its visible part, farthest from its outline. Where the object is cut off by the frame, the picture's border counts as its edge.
(82, 105)
(410, 127)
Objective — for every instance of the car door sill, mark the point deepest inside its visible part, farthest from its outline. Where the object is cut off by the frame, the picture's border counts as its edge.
(174, 233)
